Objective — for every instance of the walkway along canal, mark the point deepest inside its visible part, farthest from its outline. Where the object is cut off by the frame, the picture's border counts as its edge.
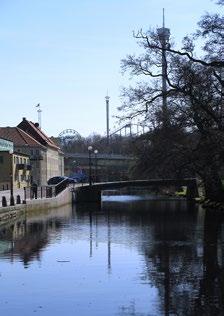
(39, 204)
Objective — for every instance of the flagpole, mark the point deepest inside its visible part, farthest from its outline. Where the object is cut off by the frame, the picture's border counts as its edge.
(39, 111)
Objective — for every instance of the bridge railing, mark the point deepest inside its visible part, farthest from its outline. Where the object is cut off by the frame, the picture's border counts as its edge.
(47, 191)
(92, 193)
(38, 192)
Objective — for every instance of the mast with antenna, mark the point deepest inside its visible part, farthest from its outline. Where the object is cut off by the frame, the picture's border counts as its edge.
(164, 35)
(107, 118)
(39, 111)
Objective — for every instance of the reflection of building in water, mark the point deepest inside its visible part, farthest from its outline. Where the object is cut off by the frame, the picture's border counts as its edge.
(30, 246)
(5, 247)
(26, 239)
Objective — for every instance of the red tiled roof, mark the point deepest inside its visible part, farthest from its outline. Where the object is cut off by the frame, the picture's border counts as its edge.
(19, 137)
(34, 130)
(43, 135)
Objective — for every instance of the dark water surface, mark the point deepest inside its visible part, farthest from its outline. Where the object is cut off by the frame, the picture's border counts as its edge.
(131, 257)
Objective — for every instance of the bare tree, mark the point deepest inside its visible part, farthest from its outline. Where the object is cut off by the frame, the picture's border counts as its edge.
(195, 87)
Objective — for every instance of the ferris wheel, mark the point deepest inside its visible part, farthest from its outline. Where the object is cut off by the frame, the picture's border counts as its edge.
(69, 135)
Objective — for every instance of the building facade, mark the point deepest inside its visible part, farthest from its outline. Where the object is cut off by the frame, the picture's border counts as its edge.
(15, 170)
(51, 160)
(46, 160)
(25, 144)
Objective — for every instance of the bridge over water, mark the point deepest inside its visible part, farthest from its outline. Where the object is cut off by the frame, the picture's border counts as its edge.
(92, 193)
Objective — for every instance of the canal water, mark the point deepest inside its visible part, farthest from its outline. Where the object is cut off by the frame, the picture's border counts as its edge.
(131, 256)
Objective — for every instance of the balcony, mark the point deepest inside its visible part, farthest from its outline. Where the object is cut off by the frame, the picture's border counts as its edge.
(20, 166)
(23, 166)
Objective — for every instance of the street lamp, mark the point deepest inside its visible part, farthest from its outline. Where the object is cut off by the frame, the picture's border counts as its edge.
(95, 153)
(90, 148)
(12, 201)
(73, 167)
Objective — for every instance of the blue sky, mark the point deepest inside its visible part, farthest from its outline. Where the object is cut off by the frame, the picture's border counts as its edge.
(66, 54)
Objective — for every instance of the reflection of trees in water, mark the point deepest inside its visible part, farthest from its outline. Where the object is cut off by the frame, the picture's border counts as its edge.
(182, 261)
(155, 226)
(188, 283)
(169, 260)
(210, 299)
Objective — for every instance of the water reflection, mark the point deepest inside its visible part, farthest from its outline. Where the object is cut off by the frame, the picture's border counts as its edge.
(210, 298)
(142, 257)
(27, 237)
(167, 235)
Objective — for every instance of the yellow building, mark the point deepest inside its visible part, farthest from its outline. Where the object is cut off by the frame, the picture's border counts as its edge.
(47, 160)
(15, 168)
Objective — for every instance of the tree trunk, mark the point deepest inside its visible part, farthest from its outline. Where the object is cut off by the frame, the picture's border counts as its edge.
(213, 184)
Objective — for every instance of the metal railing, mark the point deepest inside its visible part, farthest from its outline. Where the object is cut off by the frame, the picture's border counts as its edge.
(48, 191)
(35, 192)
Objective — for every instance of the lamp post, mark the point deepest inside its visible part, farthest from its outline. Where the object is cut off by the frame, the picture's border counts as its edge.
(90, 148)
(74, 167)
(12, 201)
(95, 153)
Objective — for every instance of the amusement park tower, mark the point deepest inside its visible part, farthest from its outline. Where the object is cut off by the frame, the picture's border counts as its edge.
(107, 118)
(164, 35)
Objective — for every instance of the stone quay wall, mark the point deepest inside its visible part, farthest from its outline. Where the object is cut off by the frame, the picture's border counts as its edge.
(12, 212)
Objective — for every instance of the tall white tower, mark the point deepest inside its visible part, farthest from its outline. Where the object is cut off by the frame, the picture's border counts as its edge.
(107, 119)
(164, 35)
(39, 111)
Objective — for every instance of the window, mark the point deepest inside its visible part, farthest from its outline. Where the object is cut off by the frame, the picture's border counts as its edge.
(1, 159)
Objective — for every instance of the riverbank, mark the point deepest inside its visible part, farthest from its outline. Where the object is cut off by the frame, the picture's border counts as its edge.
(12, 212)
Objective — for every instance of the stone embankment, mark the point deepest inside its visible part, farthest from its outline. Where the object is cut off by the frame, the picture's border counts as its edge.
(11, 212)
